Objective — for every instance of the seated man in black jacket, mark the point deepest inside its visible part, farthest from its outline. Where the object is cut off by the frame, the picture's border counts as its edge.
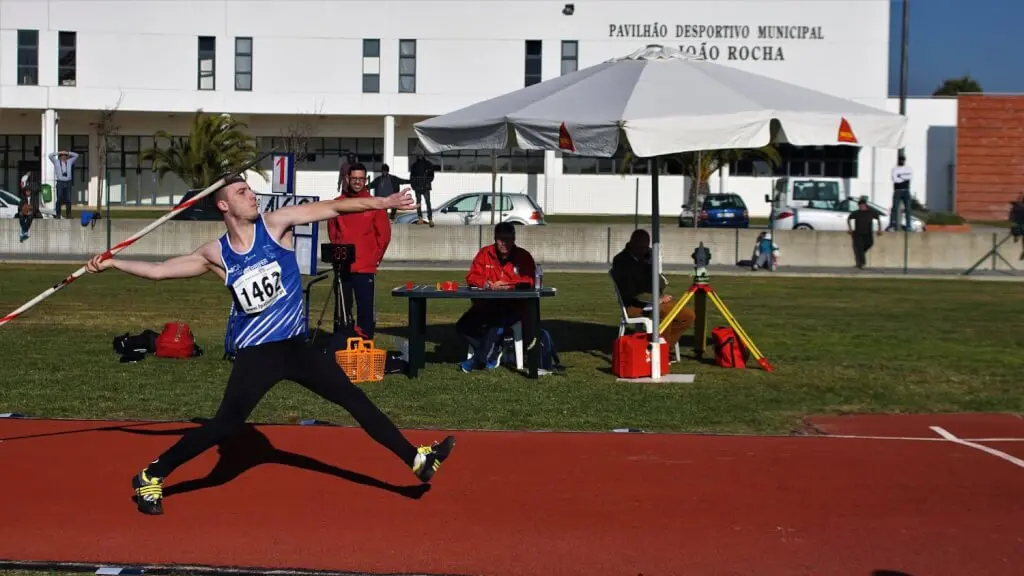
(631, 270)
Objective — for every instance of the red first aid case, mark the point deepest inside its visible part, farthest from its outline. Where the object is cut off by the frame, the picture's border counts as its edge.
(631, 356)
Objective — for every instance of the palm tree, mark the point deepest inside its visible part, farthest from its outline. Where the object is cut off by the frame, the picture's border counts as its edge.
(700, 167)
(215, 145)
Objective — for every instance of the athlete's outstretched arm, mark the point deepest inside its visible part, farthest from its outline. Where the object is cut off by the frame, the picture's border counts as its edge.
(197, 263)
(285, 218)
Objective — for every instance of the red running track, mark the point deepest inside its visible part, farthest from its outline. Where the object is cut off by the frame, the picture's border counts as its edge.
(524, 503)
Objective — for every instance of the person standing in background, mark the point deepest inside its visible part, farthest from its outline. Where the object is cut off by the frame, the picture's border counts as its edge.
(370, 232)
(63, 171)
(347, 160)
(859, 224)
(386, 184)
(901, 177)
(422, 175)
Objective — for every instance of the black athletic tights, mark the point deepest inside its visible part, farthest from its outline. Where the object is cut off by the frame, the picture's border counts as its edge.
(257, 369)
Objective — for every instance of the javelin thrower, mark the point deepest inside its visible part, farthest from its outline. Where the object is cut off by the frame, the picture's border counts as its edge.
(266, 324)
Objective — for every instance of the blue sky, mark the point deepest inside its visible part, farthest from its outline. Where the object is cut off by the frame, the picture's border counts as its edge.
(951, 38)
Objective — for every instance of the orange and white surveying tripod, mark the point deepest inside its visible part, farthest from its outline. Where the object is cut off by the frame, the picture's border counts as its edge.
(700, 291)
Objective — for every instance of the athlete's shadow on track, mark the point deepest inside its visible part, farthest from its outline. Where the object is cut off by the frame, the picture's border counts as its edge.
(249, 448)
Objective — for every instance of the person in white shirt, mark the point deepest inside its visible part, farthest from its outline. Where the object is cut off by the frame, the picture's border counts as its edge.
(64, 174)
(901, 177)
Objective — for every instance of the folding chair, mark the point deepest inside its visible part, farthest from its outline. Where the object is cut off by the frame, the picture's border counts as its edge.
(625, 321)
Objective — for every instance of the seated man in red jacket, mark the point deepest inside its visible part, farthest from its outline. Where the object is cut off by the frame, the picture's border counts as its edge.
(500, 266)
(370, 232)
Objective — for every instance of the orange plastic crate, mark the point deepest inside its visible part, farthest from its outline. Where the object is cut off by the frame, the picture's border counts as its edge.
(361, 361)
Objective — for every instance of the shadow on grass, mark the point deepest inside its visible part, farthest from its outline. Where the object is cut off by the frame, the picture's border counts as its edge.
(249, 448)
(589, 338)
(569, 336)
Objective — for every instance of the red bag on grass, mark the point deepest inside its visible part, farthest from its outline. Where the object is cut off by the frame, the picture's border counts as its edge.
(729, 350)
(176, 341)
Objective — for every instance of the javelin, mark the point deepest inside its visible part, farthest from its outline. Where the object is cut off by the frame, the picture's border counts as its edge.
(131, 240)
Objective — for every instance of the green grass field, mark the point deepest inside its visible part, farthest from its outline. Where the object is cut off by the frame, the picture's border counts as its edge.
(840, 345)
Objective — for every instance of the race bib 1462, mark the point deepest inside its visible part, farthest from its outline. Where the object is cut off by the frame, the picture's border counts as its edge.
(257, 289)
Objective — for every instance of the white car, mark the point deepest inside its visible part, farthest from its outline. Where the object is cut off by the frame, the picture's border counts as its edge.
(474, 209)
(833, 219)
(9, 206)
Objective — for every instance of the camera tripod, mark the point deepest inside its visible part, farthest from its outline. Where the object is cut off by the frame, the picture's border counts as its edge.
(700, 291)
(341, 317)
(340, 257)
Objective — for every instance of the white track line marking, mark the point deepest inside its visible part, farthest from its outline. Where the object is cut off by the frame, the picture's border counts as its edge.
(905, 438)
(1011, 459)
(858, 437)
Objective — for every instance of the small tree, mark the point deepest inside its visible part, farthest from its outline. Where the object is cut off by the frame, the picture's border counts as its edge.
(296, 135)
(215, 145)
(106, 130)
(954, 86)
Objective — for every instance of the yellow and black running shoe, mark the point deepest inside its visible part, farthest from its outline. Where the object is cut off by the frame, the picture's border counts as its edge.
(429, 458)
(149, 493)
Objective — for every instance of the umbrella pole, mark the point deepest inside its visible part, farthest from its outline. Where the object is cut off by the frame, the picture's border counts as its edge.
(655, 270)
(494, 183)
(636, 205)
(696, 192)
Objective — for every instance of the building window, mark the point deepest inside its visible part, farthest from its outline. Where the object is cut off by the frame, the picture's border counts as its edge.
(67, 60)
(534, 64)
(28, 57)
(407, 66)
(243, 64)
(207, 63)
(479, 161)
(371, 65)
(324, 154)
(19, 154)
(825, 161)
(573, 164)
(570, 56)
(371, 48)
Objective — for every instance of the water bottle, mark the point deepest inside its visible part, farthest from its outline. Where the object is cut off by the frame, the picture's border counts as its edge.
(538, 277)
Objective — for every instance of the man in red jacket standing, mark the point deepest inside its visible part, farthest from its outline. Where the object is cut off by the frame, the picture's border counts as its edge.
(370, 232)
(500, 266)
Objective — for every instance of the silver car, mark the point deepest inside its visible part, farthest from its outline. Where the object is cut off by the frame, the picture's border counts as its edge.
(832, 218)
(9, 203)
(474, 209)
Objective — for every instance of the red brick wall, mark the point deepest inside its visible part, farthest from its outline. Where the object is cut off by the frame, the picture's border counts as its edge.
(989, 155)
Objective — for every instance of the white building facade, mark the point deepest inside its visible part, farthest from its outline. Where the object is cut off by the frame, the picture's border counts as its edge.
(356, 75)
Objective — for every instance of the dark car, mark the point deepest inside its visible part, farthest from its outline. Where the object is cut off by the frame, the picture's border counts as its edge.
(720, 211)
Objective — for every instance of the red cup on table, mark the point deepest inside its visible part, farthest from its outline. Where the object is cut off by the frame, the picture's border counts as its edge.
(408, 285)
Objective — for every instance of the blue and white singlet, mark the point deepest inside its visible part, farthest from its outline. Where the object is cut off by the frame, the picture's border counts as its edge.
(266, 288)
